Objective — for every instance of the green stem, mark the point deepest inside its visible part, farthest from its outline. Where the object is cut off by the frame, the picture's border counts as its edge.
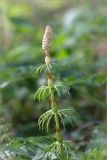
(54, 108)
(58, 129)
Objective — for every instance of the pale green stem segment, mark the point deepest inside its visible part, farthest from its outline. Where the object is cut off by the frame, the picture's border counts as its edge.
(54, 107)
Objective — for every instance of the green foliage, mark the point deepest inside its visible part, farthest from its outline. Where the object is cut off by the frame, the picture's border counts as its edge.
(59, 147)
(42, 91)
(96, 155)
(45, 118)
(5, 132)
(45, 91)
(68, 114)
(60, 85)
(63, 114)
(97, 148)
(67, 147)
(42, 67)
(80, 49)
(5, 127)
(36, 149)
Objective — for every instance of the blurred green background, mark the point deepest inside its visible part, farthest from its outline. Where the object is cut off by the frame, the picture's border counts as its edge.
(79, 49)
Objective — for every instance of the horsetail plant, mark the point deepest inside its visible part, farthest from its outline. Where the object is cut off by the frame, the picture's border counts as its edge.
(60, 147)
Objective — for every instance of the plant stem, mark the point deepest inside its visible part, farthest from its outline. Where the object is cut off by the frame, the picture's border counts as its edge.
(54, 106)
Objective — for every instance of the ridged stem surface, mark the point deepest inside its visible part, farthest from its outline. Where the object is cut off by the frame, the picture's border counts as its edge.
(54, 106)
